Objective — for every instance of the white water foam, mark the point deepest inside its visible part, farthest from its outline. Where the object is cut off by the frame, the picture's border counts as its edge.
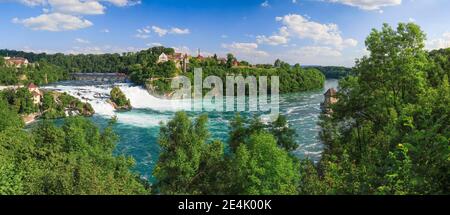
(140, 98)
(97, 96)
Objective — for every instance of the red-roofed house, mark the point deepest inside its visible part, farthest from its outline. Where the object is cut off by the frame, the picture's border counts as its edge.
(235, 63)
(16, 61)
(330, 99)
(181, 60)
(37, 94)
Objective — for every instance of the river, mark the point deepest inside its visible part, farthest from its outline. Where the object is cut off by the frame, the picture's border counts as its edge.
(138, 129)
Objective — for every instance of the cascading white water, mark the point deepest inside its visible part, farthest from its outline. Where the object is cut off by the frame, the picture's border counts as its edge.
(89, 94)
(98, 95)
(140, 98)
(139, 128)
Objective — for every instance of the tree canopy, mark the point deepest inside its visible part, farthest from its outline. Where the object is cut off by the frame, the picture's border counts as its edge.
(389, 131)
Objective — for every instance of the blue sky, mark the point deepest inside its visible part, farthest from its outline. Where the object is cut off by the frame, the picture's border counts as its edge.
(309, 32)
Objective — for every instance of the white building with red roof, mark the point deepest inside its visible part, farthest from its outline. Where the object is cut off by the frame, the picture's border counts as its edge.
(37, 94)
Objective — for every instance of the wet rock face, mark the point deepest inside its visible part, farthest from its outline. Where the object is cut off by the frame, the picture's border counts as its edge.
(120, 107)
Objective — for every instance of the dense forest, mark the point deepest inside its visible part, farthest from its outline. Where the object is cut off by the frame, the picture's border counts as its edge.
(54, 105)
(39, 73)
(75, 158)
(387, 134)
(191, 163)
(292, 78)
(142, 67)
(333, 72)
(86, 63)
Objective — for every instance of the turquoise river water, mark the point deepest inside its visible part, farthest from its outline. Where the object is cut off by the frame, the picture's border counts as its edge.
(138, 129)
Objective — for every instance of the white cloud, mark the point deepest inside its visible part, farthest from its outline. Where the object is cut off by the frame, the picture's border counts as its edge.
(154, 44)
(192, 52)
(142, 36)
(294, 1)
(102, 49)
(54, 22)
(328, 34)
(105, 30)
(77, 7)
(32, 3)
(162, 31)
(123, 3)
(143, 33)
(184, 49)
(316, 51)
(246, 51)
(86, 50)
(350, 42)
(317, 55)
(117, 3)
(73, 10)
(179, 31)
(369, 4)
(439, 43)
(282, 37)
(272, 40)
(265, 4)
(145, 30)
(83, 41)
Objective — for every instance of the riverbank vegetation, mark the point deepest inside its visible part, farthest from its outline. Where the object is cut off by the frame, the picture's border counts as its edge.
(333, 72)
(39, 73)
(257, 161)
(389, 131)
(387, 134)
(52, 105)
(292, 79)
(57, 105)
(75, 158)
(144, 69)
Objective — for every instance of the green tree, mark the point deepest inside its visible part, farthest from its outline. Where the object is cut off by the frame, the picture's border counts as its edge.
(119, 98)
(262, 168)
(230, 60)
(277, 63)
(284, 135)
(10, 119)
(181, 144)
(388, 132)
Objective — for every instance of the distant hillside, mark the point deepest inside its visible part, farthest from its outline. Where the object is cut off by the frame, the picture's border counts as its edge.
(88, 63)
(440, 66)
(333, 72)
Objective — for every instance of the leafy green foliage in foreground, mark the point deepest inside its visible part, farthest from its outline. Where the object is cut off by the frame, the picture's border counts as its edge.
(388, 134)
(190, 164)
(390, 131)
(76, 158)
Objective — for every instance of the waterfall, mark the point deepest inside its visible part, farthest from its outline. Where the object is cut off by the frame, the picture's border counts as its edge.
(98, 95)
(141, 99)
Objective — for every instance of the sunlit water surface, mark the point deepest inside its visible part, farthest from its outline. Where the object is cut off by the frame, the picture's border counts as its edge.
(138, 129)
